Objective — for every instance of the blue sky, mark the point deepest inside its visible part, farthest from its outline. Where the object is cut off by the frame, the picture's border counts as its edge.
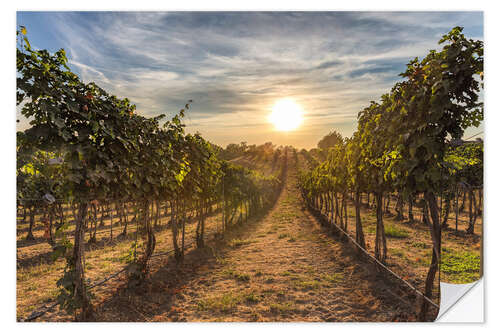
(236, 65)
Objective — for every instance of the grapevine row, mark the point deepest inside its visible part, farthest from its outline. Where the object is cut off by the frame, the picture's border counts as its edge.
(403, 144)
(90, 149)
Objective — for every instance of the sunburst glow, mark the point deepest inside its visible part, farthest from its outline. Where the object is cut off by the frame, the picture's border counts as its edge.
(286, 115)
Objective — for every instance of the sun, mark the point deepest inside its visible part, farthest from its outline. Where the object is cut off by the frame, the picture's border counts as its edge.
(286, 115)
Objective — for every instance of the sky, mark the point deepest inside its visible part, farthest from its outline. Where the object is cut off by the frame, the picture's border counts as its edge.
(236, 65)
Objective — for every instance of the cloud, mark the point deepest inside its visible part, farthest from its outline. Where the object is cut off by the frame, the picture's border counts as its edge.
(89, 72)
(235, 65)
(329, 64)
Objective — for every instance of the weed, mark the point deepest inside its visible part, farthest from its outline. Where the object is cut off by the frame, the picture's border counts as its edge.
(395, 232)
(281, 308)
(371, 229)
(243, 277)
(307, 268)
(253, 298)
(221, 261)
(307, 285)
(105, 265)
(460, 267)
(335, 277)
(397, 252)
(420, 245)
(225, 303)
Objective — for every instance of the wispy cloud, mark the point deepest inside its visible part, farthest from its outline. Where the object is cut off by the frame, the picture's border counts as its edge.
(236, 65)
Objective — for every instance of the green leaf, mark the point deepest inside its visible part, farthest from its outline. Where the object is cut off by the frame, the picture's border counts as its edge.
(27, 43)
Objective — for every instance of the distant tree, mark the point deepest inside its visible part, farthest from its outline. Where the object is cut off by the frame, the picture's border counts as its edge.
(233, 150)
(330, 140)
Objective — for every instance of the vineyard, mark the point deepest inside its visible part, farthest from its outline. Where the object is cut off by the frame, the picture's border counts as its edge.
(121, 217)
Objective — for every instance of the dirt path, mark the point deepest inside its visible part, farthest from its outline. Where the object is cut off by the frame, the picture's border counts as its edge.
(282, 267)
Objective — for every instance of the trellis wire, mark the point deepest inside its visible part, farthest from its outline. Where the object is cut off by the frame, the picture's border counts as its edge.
(44, 309)
(381, 264)
(470, 137)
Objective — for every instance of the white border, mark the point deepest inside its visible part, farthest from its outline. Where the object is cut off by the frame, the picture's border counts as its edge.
(7, 132)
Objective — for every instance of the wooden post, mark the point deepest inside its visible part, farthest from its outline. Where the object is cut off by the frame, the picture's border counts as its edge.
(110, 220)
(456, 209)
